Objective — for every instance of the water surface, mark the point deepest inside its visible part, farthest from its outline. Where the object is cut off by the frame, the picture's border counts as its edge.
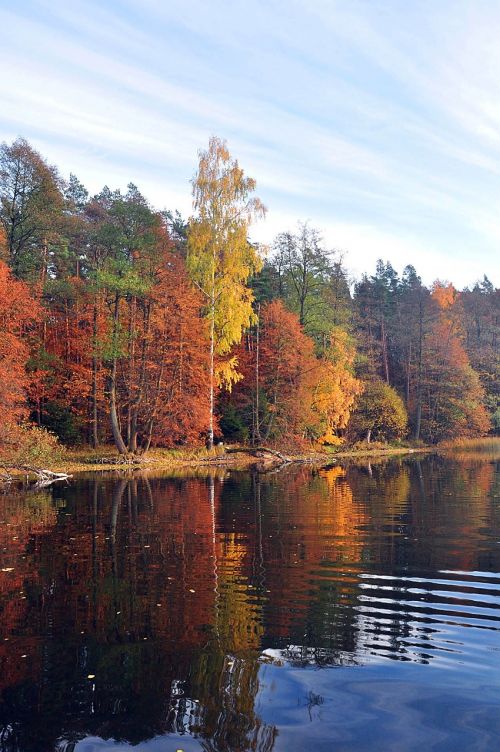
(348, 608)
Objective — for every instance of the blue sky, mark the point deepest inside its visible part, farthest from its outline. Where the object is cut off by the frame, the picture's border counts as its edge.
(377, 121)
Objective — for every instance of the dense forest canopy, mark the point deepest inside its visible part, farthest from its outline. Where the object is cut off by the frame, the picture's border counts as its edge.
(128, 325)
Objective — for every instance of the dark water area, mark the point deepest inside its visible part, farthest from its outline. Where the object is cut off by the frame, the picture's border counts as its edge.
(349, 608)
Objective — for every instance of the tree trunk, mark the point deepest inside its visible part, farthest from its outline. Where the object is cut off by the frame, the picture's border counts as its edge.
(385, 355)
(418, 418)
(115, 425)
(95, 437)
(256, 438)
(132, 386)
(210, 437)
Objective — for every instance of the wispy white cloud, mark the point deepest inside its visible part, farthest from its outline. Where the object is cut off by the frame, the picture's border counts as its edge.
(379, 121)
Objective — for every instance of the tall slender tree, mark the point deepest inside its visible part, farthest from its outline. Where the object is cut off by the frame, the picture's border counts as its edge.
(220, 258)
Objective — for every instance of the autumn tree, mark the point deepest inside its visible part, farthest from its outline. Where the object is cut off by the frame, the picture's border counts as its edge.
(379, 414)
(409, 332)
(171, 403)
(18, 312)
(337, 388)
(453, 398)
(279, 402)
(481, 324)
(127, 247)
(61, 393)
(220, 258)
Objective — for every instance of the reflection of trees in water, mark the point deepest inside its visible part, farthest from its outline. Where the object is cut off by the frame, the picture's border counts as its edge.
(129, 590)
(303, 562)
(443, 525)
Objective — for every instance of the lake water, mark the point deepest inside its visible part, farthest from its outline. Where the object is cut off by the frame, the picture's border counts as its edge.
(349, 608)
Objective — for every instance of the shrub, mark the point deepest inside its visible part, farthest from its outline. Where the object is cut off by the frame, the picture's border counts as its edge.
(29, 445)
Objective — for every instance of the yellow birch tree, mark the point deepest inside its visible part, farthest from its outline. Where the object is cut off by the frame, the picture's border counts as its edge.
(221, 259)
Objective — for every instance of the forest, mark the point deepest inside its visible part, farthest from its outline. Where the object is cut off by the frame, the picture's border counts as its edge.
(125, 325)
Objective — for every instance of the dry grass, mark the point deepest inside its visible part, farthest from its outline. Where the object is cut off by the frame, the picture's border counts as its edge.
(485, 444)
(477, 450)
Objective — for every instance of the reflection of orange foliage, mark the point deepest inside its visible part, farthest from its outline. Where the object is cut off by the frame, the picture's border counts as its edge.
(323, 525)
(468, 516)
(239, 615)
(125, 568)
(345, 516)
(24, 521)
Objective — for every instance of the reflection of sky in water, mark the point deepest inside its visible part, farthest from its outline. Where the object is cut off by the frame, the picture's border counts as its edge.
(159, 744)
(380, 707)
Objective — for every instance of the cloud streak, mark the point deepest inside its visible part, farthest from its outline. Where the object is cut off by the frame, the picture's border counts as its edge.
(380, 126)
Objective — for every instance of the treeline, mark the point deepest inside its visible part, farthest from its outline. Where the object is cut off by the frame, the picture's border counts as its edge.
(120, 323)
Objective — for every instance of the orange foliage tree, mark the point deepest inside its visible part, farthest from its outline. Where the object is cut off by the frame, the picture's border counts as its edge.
(62, 380)
(18, 312)
(337, 387)
(171, 370)
(287, 390)
(283, 382)
(453, 404)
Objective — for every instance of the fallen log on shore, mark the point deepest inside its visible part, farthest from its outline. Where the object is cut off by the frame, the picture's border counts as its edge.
(44, 477)
(259, 451)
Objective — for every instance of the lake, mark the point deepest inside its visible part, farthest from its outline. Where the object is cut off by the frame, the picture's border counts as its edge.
(353, 607)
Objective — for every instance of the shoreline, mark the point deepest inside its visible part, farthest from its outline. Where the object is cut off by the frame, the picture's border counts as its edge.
(240, 458)
(234, 457)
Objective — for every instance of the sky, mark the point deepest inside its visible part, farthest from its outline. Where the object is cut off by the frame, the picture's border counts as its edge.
(377, 121)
